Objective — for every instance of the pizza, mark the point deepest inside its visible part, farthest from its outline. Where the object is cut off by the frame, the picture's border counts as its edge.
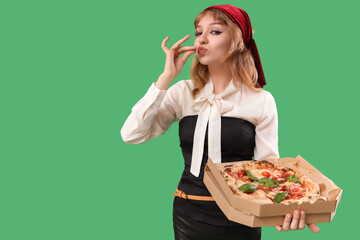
(254, 179)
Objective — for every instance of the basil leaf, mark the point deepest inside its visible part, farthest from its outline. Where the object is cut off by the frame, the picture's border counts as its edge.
(248, 187)
(291, 178)
(264, 180)
(280, 196)
(272, 183)
(294, 178)
(251, 176)
(267, 182)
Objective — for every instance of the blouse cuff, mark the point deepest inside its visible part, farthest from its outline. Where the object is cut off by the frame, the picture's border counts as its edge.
(154, 94)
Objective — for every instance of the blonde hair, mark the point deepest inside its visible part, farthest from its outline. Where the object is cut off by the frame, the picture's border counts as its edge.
(242, 65)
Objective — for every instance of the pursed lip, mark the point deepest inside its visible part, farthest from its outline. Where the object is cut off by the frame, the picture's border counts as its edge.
(202, 50)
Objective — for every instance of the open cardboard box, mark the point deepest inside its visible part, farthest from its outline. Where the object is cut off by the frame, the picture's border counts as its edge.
(263, 212)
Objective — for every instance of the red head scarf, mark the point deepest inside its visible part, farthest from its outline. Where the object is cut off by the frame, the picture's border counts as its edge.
(241, 18)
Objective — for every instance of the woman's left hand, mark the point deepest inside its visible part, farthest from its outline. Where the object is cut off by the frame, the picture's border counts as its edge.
(296, 221)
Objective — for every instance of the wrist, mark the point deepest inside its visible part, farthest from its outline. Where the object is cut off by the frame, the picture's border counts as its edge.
(163, 82)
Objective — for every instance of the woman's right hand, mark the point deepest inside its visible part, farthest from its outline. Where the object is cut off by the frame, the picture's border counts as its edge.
(174, 63)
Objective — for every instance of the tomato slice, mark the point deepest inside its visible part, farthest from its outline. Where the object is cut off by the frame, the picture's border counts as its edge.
(235, 176)
(266, 174)
(240, 174)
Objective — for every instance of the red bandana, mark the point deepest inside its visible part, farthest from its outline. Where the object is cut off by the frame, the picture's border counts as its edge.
(241, 18)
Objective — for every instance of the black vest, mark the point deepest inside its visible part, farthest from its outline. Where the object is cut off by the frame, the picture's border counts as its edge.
(237, 143)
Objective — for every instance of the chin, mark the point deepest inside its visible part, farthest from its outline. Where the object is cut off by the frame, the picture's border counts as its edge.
(204, 61)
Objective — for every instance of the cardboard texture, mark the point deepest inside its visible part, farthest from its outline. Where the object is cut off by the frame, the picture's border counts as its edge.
(263, 212)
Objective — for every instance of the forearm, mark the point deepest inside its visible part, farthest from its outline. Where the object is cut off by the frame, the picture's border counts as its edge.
(150, 117)
(163, 82)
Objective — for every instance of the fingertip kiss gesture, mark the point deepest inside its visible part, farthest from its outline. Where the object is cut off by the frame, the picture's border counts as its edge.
(174, 63)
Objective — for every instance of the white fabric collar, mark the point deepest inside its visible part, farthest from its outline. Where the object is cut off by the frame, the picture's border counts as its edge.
(210, 108)
(209, 88)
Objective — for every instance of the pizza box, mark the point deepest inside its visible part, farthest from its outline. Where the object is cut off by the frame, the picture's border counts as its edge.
(262, 211)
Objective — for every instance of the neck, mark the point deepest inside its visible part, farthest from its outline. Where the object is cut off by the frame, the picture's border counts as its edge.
(220, 75)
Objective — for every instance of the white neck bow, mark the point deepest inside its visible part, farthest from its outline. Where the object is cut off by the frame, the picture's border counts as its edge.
(210, 108)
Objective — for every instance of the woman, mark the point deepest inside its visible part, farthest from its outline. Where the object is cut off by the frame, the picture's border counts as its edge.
(223, 113)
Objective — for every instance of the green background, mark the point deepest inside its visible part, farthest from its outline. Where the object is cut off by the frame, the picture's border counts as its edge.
(72, 70)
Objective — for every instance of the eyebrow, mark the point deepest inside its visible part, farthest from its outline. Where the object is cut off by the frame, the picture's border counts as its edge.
(210, 24)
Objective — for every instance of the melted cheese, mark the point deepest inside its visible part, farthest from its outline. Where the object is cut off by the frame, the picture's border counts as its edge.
(277, 173)
(239, 183)
(258, 173)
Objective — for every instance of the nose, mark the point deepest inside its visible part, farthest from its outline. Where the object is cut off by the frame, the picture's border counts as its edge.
(203, 39)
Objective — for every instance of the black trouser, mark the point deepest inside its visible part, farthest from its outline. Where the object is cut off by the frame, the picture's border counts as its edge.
(186, 228)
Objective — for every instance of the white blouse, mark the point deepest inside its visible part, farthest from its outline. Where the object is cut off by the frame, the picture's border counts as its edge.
(153, 114)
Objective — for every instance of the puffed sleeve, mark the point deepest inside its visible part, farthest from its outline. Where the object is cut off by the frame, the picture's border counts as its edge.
(266, 131)
(151, 116)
